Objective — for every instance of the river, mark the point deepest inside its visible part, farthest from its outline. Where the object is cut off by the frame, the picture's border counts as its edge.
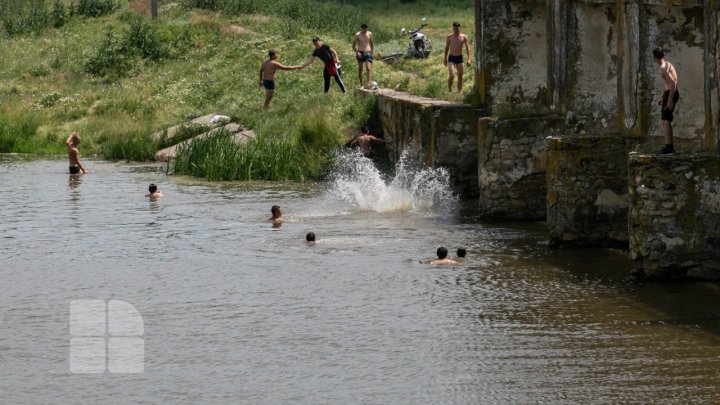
(236, 311)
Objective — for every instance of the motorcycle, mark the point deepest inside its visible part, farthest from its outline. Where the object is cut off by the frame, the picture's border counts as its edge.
(419, 46)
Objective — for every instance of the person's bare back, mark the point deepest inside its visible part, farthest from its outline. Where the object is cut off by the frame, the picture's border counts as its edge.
(72, 143)
(669, 75)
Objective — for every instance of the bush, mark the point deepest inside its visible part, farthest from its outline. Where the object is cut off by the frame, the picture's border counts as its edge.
(58, 15)
(142, 39)
(111, 59)
(16, 129)
(96, 8)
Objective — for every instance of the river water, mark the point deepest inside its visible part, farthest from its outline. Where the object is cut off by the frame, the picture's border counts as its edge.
(236, 311)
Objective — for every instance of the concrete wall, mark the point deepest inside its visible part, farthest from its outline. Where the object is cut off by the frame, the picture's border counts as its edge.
(446, 132)
(512, 162)
(587, 190)
(675, 215)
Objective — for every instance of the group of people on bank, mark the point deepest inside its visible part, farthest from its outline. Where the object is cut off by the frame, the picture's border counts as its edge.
(363, 48)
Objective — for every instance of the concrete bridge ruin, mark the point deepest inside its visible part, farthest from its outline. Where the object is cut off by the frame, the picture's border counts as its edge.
(567, 120)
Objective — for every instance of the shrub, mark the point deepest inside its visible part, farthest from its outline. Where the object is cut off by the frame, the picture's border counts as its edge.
(96, 8)
(16, 129)
(58, 15)
(111, 59)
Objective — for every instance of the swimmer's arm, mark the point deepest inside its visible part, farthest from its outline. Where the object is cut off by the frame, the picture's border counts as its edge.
(354, 43)
(335, 55)
(380, 140)
(262, 70)
(372, 46)
(69, 139)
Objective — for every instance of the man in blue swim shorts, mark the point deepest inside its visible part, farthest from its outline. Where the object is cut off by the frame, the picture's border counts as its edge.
(362, 45)
(267, 75)
(454, 47)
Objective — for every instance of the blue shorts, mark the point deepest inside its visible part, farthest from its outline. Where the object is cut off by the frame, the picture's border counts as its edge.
(269, 84)
(456, 59)
(364, 57)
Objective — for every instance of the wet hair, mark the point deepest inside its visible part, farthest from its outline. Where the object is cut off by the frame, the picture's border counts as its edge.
(364, 129)
(658, 53)
(363, 25)
(152, 188)
(442, 252)
(456, 24)
(272, 53)
(461, 252)
(310, 237)
(274, 208)
(316, 39)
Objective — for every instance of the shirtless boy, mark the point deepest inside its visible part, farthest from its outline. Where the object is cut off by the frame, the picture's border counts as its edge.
(667, 103)
(267, 75)
(453, 46)
(72, 143)
(155, 194)
(442, 253)
(365, 140)
(276, 217)
(362, 45)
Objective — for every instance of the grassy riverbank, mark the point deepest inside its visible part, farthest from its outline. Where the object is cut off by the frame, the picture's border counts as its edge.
(112, 74)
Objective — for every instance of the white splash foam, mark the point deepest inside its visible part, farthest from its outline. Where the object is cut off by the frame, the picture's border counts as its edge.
(414, 188)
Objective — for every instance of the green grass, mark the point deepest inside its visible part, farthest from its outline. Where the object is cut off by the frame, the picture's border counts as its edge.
(116, 89)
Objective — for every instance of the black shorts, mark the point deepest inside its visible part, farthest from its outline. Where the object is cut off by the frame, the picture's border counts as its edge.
(74, 169)
(456, 59)
(666, 113)
(269, 84)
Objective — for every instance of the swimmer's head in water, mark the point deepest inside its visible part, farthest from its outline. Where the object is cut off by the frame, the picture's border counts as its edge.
(658, 53)
(276, 210)
(364, 129)
(310, 237)
(152, 188)
(461, 252)
(442, 252)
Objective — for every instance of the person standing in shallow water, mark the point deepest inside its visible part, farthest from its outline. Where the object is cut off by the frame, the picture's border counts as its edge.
(442, 253)
(72, 143)
(668, 99)
(276, 217)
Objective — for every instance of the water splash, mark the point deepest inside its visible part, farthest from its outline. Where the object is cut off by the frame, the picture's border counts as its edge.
(414, 188)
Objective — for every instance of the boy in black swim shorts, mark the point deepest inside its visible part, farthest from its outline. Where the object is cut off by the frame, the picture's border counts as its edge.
(454, 47)
(267, 75)
(667, 103)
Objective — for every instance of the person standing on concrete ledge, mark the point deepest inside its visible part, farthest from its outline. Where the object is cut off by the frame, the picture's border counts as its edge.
(668, 99)
(362, 45)
(453, 46)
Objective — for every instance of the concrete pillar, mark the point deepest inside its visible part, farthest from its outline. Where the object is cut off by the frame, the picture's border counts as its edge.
(479, 88)
(628, 29)
(711, 71)
(557, 12)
